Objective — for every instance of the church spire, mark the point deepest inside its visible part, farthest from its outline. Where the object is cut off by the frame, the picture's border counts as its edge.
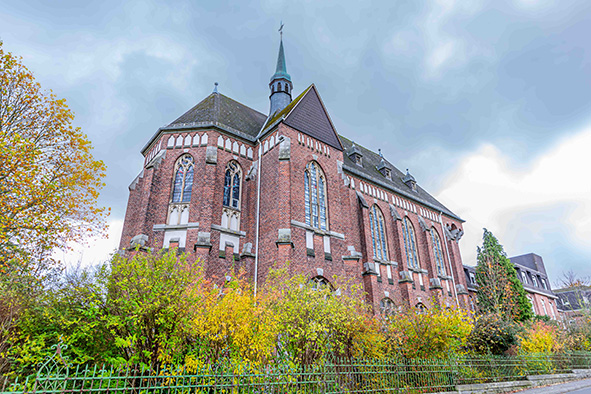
(280, 84)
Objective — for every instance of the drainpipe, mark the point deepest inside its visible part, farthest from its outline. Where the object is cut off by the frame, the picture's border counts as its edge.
(259, 174)
(451, 271)
(256, 249)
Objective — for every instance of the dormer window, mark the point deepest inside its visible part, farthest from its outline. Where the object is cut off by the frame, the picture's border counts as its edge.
(355, 155)
(410, 181)
(383, 167)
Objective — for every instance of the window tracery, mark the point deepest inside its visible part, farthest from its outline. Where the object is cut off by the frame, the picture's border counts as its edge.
(410, 244)
(437, 251)
(315, 196)
(378, 233)
(232, 185)
(183, 179)
(386, 306)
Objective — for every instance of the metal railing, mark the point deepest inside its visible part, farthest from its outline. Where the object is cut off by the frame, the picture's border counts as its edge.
(341, 376)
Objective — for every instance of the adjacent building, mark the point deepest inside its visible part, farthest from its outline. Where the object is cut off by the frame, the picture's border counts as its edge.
(573, 302)
(237, 188)
(532, 273)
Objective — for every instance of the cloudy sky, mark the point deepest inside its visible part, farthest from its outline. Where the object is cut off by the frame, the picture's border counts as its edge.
(487, 103)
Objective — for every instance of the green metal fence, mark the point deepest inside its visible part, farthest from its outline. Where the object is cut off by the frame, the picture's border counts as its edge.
(342, 376)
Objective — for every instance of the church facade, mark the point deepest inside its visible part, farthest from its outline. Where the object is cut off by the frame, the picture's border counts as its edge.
(237, 188)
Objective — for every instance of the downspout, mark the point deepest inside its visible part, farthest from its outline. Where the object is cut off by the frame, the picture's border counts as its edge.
(259, 173)
(451, 271)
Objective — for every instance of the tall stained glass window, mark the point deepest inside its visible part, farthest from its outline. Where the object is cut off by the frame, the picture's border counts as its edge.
(183, 179)
(315, 196)
(437, 252)
(410, 243)
(378, 233)
(232, 184)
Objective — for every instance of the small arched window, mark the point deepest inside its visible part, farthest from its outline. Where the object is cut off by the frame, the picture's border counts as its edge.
(279, 87)
(378, 233)
(410, 244)
(183, 179)
(421, 308)
(319, 283)
(386, 306)
(315, 196)
(232, 184)
(437, 252)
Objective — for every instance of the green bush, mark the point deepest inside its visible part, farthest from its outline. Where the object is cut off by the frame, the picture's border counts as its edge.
(492, 334)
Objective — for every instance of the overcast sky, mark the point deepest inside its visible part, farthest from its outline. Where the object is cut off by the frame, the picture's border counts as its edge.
(487, 103)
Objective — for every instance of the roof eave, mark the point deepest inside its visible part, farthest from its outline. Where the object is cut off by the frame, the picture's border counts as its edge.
(393, 188)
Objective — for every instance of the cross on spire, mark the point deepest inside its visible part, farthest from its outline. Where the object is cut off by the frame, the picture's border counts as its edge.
(281, 29)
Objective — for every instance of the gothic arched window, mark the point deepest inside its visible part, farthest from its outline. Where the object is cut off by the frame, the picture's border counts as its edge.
(232, 184)
(437, 252)
(378, 233)
(279, 87)
(319, 283)
(410, 244)
(315, 196)
(183, 179)
(386, 306)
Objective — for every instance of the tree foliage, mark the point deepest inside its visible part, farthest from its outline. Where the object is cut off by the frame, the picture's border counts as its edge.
(493, 334)
(49, 180)
(435, 332)
(499, 290)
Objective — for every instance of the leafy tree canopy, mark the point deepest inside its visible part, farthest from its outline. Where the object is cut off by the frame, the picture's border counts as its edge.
(500, 291)
(49, 180)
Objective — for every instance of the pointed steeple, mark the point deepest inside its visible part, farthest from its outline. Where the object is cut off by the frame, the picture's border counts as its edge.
(280, 84)
(281, 69)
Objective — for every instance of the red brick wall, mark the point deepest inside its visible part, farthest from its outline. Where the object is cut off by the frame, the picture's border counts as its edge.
(281, 201)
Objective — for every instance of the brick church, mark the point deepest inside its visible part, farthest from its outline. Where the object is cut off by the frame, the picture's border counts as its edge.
(238, 188)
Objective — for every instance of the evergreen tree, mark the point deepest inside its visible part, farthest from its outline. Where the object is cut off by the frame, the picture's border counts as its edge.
(500, 291)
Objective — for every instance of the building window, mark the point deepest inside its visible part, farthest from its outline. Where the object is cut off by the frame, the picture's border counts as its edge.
(386, 306)
(183, 179)
(437, 251)
(378, 233)
(544, 307)
(472, 278)
(232, 184)
(315, 196)
(534, 280)
(524, 277)
(410, 244)
(319, 283)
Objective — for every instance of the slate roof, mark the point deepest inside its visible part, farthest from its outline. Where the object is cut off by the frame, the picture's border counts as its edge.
(531, 261)
(574, 298)
(370, 163)
(307, 114)
(217, 108)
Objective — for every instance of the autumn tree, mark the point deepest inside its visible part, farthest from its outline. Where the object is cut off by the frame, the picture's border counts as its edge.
(49, 180)
(499, 290)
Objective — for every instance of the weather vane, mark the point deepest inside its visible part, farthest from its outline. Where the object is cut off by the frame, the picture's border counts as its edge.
(281, 29)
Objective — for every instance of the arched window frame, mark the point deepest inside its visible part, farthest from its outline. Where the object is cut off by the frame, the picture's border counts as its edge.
(438, 251)
(319, 282)
(232, 196)
(378, 233)
(316, 208)
(182, 183)
(387, 306)
(410, 243)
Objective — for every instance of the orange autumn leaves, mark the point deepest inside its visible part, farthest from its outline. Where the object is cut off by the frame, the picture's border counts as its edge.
(49, 180)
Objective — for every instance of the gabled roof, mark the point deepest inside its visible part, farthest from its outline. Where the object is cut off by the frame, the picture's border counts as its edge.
(308, 115)
(369, 169)
(217, 108)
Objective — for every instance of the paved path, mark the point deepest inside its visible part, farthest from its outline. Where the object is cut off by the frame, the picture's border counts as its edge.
(578, 387)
